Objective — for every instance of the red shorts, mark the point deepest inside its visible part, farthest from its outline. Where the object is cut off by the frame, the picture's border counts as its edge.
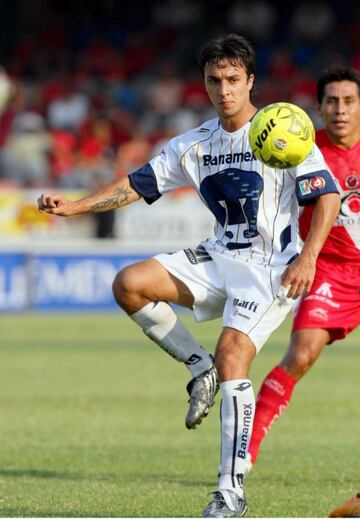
(334, 301)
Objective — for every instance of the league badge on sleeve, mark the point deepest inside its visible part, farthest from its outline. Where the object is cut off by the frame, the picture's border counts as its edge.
(317, 183)
(305, 188)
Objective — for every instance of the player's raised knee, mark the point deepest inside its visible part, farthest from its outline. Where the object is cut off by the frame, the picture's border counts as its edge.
(125, 284)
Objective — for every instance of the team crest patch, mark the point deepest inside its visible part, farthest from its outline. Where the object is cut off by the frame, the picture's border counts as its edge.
(351, 204)
(317, 183)
(352, 181)
(304, 186)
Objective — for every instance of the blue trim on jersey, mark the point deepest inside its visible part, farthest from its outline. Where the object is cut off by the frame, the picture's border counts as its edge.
(143, 181)
(312, 185)
(285, 237)
(293, 258)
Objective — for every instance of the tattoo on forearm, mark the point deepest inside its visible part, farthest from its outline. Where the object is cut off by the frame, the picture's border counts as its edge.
(119, 197)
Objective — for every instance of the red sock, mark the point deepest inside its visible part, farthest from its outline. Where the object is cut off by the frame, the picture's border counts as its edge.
(271, 402)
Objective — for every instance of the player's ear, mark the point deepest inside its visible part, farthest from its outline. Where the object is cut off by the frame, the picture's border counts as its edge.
(318, 109)
(250, 81)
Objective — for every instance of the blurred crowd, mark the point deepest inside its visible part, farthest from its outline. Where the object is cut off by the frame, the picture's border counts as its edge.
(85, 98)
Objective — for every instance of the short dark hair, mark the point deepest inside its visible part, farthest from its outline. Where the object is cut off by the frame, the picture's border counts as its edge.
(332, 74)
(232, 48)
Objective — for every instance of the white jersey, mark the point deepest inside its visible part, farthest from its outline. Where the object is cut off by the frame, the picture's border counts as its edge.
(255, 207)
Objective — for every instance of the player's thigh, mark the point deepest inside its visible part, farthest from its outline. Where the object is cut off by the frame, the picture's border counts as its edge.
(234, 354)
(333, 303)
(252, 306)
(150, 280)
(201, 275)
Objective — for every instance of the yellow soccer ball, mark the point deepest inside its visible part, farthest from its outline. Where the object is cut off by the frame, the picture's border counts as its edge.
(281, 135)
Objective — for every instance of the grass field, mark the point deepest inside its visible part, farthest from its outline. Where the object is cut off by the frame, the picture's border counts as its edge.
(92, 425)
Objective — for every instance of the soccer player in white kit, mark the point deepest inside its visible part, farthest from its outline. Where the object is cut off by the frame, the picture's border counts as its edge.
(242, 273)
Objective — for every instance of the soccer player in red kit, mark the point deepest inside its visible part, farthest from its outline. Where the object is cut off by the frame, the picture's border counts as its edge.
(331, 309)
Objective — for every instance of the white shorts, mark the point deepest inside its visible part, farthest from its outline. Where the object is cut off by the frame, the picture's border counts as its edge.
(243, 293)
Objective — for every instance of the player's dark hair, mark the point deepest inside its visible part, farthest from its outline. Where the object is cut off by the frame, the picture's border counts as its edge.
(232, 48)
(336, 74)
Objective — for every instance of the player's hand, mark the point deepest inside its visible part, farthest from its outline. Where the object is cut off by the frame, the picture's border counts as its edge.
(298, 277)
(56, 204)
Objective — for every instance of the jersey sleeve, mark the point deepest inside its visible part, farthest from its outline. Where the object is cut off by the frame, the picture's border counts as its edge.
(313, 178)
(161, 175)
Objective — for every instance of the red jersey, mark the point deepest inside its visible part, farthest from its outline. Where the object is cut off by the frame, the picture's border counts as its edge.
(343, 242)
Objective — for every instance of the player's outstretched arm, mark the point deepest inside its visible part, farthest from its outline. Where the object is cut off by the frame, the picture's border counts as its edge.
(112, 196)
(299, 275)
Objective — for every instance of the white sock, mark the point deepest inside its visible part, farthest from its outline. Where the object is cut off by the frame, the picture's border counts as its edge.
(160, 323)
(237, 416)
